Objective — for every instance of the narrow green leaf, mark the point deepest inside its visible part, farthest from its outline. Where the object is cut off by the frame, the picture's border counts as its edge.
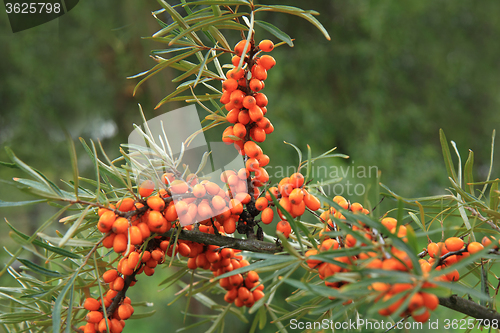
(46, 246)
(74, 227)
(70, 242)
(450, 168)
(143, 315)
(298, 12)
(412, 239)
(494, 196)
(74, 162)
(297, 149)
(174, 277)
(180, 20)
(218, 2)
(39, 269)
(20, 203)
(205, 23)
(202, 66)
(163, 65)
(468, 175)
(275, 31)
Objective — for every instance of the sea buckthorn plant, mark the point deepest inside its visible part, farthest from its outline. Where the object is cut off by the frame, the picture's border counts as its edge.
(244, 235)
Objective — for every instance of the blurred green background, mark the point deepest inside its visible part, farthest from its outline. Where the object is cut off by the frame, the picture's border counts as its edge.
(392, 75)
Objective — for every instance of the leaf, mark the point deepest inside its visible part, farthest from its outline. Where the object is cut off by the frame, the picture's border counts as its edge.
(218, 2)
(23, 166)
(208, 22)
(74, 227)
(494, 196)
(20, 203)
(275, 31)
(142, 315)
(71, 242)
(74, 162)
(298, 12)
(450, 168)
(174, 277)
(468, 175)
(178, 18)
(39, 269)
(164, 64)
(297, 149)
(49, 247)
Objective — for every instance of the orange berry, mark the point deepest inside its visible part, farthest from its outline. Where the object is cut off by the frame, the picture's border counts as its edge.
(156, 221)
(474, 247)
(108, 241)
(120, 243)
(433, 250)
(267, 215)
(261, 99)
(106, 221)
(266, 45)
(244, 117)
(236, 280)
(91, 304)
(267, 62)
(259, 72)
(311, 201)
(230, 85)
(232, 116)
(110, 275)
(421, 317)
(389, 222)
(125, 205)
(94, 316)
(240, 47)
(235, 60)
(179, 186)
(120, 226)
(284, 227)
(239, 130)
(225, 137)
(296, 196)
(255, 112)
(147, 187)
(261, 203)
(117, 284)
(124, 312)
(454, 244)
(252, 149)
(256, 85)
(156, 203)
(431, 301)
(252, 164)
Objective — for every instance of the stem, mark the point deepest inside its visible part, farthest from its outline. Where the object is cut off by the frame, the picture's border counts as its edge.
(469, 308)
(252, 245)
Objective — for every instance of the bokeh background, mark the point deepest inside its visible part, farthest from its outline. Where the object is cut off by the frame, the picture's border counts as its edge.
(393, 73)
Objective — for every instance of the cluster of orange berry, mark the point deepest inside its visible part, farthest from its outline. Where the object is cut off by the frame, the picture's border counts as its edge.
(391, 258)
(247, 106)
(242, 289)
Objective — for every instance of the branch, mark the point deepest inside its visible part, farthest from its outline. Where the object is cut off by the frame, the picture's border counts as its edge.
(252, 245)
(469, 308)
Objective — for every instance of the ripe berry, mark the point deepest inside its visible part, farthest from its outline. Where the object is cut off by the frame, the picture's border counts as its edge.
(267, 62)
(91, 304)
(284, 227)
(125, 205)
(240, 130)
(249, 102)
(261, 203)
(120, 226)
(261, 99)
(240, 46)
(454, 244)
(147, 187)
(256, 85)
(266, 45)
(474, 247)
(255, 112)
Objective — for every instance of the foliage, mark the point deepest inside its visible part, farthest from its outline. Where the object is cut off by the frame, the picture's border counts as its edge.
(346, 258)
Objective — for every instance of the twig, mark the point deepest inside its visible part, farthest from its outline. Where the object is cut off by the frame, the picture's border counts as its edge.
(252, 245)
(469, 308)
